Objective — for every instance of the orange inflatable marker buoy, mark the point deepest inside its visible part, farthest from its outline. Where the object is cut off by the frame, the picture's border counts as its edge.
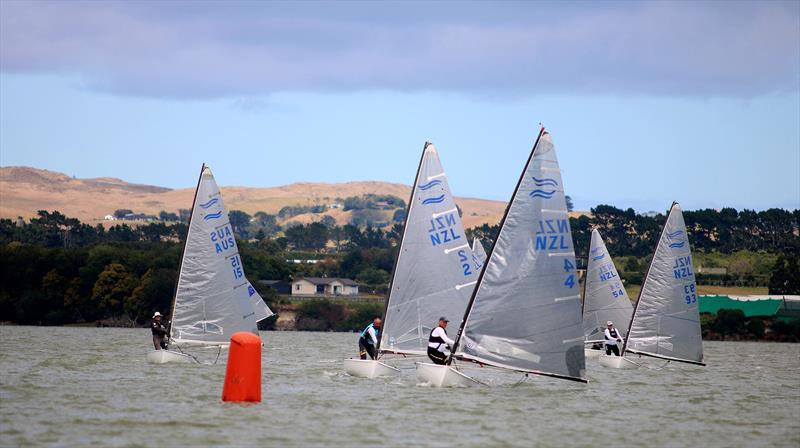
(243, 373)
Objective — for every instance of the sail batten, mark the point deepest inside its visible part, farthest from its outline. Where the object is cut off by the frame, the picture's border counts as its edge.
(666, 319)
(213, 298)
(523, 313)
(433, 274)
(605, 298)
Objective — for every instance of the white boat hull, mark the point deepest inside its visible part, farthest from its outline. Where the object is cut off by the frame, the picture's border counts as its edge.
(442, 376)
(592, 354)
(616, 362)
(368, 368)
(165, 356)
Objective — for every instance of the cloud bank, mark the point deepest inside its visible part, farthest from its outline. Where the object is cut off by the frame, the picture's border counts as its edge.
(207, 49)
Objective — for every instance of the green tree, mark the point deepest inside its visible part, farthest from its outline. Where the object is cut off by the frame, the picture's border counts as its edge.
(785, 278)
(112, 287)
(240, 222)
(153, 293)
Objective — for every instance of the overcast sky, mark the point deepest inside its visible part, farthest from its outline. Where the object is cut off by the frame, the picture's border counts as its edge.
(646, 101)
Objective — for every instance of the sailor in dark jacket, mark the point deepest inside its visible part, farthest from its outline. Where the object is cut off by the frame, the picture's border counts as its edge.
(159, 332)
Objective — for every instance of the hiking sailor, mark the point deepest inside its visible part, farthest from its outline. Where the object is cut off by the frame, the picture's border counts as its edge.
(369, 339)
(612, 338)
(159, 332)
(439, 344)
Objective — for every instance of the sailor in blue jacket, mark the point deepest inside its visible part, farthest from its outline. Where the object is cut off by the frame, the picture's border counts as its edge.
(368, 341)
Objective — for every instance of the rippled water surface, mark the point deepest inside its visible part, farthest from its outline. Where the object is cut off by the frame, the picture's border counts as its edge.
(81, 386)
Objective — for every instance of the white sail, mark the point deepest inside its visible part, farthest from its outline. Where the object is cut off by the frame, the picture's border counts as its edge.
(478, 254)
(525, 313)
(257, 303)
(666, 320)
(434, 274)
(605, 298)
(213, 299)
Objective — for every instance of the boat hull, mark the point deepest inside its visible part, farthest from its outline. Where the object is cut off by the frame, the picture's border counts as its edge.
(442, 376)
(368, 368)
(592, 354)
(167, 356)
(616, 362)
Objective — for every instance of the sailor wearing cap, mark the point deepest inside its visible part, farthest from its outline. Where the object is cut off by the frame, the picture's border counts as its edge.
(612, 338)
(439, 344)
(159, 332)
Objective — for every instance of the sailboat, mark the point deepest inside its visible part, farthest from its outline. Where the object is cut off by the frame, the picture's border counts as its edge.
(213, 299)
(433, 274)
(604, 296)
(666, 322)
(524, 314)
(478, 253)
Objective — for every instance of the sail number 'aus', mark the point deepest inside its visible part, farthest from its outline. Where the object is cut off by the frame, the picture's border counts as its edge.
(223, 239)
(442, 230)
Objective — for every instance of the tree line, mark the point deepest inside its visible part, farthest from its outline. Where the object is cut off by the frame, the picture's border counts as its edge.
(56, 270)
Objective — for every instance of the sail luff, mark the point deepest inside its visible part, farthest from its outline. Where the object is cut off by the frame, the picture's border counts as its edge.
(526, 310)
(471, 302)
(667, 321)
(605, 298)
(644, 282)
(434, 272)
(183, 254)
(400, 246)
(213, 298)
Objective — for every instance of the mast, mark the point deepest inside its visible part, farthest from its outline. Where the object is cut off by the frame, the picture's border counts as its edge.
(644, 283)
(400, 246)
(491, 252)
(183, 255)
(586, 275)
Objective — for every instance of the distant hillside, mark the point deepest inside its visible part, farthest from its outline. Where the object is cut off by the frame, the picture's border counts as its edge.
(25, 190)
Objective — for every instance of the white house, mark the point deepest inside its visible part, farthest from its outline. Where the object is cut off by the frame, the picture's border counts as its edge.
(309, 286)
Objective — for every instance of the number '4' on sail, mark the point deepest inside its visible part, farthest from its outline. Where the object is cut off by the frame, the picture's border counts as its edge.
(525, 312)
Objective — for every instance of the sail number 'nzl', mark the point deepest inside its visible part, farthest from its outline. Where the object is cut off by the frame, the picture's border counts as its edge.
(553, 235)
(442, 230)
(683, 267)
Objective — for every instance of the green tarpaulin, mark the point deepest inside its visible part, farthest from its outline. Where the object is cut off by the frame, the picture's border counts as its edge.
(751, 308)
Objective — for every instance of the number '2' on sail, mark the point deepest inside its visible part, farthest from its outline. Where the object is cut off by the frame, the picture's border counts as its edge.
(434, 272)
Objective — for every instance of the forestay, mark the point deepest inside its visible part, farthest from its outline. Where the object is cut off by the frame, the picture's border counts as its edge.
(478, 254)
(213, 299)
(434, 274)
(605, 298)
(666, 320)
(526, 313)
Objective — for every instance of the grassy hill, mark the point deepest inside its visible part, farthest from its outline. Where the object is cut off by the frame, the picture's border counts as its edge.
(25, 190)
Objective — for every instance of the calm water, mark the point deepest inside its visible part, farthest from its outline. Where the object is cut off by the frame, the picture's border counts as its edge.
(80, 386)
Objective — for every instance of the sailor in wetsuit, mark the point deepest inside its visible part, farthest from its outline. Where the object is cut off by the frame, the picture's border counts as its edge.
(159, 332)
(368, 340)
(612, 338)
(439, 344)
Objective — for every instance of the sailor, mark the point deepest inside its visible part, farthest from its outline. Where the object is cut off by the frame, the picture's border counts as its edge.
(368, 340)
(612, 338)
(439, 344)
(159, 332)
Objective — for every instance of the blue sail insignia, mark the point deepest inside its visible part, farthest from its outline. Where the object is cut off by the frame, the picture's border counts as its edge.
(209, 203)
(544, 181)
(599, 257)
(542, 194)
(433, 200)
(677, 245)
(675, 234)
(212, 216)
(430, 184)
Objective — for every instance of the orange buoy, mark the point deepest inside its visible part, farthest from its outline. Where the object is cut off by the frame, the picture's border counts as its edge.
(243, 373)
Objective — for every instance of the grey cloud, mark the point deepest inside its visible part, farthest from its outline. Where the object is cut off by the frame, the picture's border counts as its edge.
(206, 49)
